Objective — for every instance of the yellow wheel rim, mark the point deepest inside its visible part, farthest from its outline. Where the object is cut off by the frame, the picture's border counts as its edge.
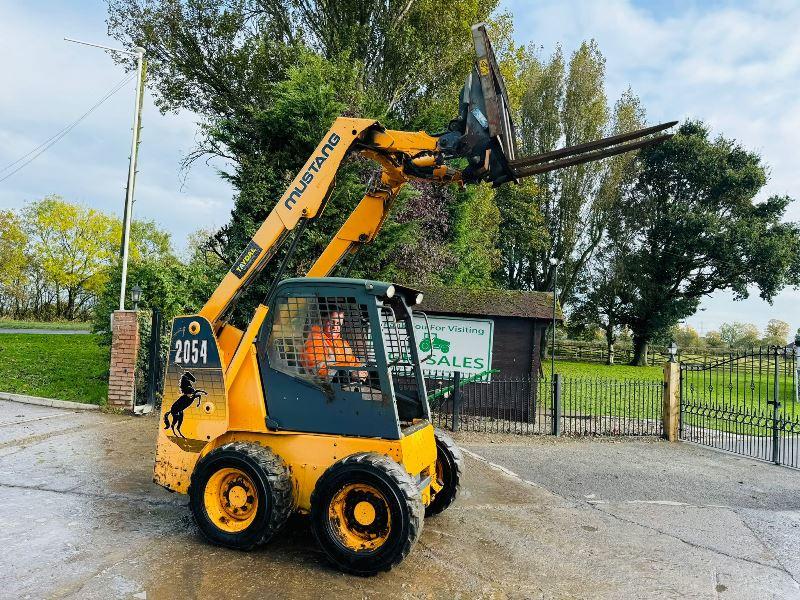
(359, 517)
(231, 500)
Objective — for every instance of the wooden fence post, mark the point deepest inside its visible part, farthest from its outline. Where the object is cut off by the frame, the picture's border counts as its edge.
(670, 412)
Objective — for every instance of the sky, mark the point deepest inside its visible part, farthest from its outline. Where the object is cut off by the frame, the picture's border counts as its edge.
(735, 65)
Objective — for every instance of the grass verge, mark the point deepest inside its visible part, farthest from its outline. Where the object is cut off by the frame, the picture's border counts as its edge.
(65, 367)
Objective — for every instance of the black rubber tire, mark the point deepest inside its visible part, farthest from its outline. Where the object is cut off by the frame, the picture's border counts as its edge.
(405, 508)
(272, 481)
(452, 462)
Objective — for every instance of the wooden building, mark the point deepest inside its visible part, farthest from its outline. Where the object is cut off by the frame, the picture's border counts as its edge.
(520, 320)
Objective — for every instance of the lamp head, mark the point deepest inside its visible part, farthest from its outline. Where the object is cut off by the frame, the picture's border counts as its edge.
(136, 295)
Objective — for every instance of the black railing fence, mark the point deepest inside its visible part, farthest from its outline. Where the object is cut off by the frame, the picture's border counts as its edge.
(745, 403)
(569, 406)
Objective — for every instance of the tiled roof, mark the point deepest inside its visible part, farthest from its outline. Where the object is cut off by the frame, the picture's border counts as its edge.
(489, 302)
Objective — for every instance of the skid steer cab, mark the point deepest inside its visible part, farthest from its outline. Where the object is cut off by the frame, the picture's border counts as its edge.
(324, 412)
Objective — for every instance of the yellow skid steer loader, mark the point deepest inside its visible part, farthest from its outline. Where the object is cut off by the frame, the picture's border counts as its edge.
(319, 406)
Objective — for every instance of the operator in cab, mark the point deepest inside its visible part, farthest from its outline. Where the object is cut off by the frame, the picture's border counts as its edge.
(325, 349)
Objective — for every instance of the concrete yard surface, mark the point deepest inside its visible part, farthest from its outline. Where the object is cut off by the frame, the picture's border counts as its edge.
(539, 518)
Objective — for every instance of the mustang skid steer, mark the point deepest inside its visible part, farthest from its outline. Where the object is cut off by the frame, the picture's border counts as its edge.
(319, 406)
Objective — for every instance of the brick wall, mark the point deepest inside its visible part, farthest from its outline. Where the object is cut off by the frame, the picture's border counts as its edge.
(124, 347)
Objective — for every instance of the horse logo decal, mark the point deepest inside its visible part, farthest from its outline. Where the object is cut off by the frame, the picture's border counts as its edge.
(184, 401)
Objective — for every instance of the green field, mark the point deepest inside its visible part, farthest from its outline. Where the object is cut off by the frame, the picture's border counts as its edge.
(65, 367)
(585, 369)
(55, 325)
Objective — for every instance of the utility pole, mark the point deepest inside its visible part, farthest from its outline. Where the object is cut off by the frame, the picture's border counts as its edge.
(138, 52)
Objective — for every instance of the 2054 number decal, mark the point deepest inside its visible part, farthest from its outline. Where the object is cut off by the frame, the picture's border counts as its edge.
(191, 352)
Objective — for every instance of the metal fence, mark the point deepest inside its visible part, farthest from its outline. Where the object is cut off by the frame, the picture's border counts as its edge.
(744, 403)
(573, 406)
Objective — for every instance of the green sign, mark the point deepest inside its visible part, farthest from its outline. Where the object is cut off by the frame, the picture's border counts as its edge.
(452, 344)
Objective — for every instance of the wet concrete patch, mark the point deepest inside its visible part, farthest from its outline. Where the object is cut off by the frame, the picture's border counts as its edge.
(82, 519)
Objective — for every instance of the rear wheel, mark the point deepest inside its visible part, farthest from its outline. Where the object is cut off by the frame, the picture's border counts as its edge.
(449, 470)
(366, 513)
(240, 495)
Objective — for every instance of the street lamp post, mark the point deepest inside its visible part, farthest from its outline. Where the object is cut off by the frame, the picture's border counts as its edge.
(138, 52)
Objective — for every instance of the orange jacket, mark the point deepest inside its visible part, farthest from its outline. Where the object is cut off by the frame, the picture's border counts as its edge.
(321, 351)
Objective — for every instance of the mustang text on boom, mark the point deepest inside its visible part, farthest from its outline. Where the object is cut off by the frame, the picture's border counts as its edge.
(311, 172)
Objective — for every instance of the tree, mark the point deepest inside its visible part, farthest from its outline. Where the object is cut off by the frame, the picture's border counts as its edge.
(564, 214)
(599, 295)
(220, 58)
(13, 261)
(694, 228)
(167, 282)
(776, 333)
(56, 257)
(476, 230)
(685, 336)
(73, 246)
(523, 234)
(713, 339)
(739, 335)
(268, 77)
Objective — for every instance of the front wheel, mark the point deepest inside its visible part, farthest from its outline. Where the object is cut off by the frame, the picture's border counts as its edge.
(449, 470)
(240, 495)
(366, 513)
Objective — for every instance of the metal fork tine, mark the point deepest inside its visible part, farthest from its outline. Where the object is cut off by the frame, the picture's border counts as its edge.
(588, 146)
(536, 168)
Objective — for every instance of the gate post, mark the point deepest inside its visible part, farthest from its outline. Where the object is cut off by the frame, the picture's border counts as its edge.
(776, 413)
(124, 348)
(670, 409)
(456, 401)
(557, 404)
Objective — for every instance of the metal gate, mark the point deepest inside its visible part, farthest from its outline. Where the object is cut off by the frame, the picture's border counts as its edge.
(745, 403)
(153, 354)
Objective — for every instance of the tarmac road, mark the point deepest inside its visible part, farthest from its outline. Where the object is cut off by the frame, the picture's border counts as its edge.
(81, 519)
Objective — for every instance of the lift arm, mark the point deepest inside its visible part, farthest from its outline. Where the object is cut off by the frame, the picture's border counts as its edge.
(414, 151)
